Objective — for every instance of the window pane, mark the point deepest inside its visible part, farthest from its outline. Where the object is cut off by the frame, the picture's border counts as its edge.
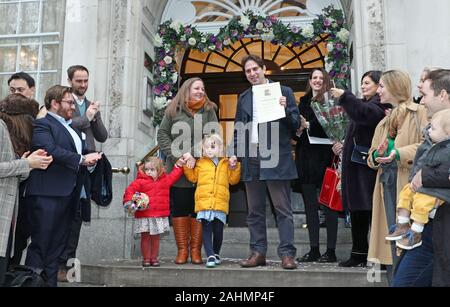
(8, 59)
(4, 91)
(29, 17)
(50, 57)
(29, 57)
(46, 82)
(53, 16)
(8, 22)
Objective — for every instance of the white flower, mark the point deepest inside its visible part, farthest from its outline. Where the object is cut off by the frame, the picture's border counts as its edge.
(160, 102)
(308, 31)
(212, 47)
(168, 60)
(343, 35)
(227, 42)
(330, 47)
(192, 41)
(268, 37)
(329, 66)
(163, 74)
(167, 47)
(183, 38)
(245, 21)
(176, 25)
(259, 26)
(203, 40)
(174, 78)
(158, 41)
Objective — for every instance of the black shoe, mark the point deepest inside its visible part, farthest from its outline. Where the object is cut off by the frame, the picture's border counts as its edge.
(352, 262)
(309, 257)
(327, 257)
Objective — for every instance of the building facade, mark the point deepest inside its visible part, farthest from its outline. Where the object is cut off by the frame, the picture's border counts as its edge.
(115, 39)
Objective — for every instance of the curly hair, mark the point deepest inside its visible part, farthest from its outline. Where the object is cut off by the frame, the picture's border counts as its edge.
(156, 163)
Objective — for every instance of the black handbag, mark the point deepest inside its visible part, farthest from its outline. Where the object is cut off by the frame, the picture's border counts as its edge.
(25, 276)
(360, 154)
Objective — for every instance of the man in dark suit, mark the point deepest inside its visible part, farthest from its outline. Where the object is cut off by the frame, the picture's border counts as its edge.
(52, 193)
(267, 164)
(87, 119)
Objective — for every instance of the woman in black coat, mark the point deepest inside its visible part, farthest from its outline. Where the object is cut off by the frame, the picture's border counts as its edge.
(311, 161)
(358, 180)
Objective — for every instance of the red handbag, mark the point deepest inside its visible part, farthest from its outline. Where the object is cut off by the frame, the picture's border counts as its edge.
(329, 195)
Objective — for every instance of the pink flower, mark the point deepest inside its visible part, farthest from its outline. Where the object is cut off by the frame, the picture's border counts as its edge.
(162, 63)
(327, 22)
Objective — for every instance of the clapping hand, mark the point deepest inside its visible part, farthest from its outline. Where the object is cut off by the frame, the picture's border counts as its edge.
(38, 159)
(93, 109)
(388, 159)
(382, 147)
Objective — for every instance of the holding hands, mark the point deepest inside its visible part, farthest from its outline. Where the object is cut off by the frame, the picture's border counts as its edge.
(188, 160)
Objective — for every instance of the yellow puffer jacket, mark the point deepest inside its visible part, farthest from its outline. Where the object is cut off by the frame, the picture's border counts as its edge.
(213, 183)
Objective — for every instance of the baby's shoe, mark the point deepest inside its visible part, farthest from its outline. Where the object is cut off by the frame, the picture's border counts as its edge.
(218, 260)
(211, 262)
(411, 240)
(398, 231)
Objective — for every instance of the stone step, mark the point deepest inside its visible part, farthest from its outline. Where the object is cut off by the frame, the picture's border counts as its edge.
(236, 243)
(129, 273)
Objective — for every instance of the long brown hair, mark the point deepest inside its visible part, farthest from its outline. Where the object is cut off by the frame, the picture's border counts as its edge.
(18, 112)
(325, 87)
(182, 98)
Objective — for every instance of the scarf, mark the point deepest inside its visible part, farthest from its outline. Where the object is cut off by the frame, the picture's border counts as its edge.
(195, 106)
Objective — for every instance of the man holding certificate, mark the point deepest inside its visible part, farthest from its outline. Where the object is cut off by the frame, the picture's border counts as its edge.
(266, 120)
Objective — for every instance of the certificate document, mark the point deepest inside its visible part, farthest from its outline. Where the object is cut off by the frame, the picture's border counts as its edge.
(267, 102)
(318, 141)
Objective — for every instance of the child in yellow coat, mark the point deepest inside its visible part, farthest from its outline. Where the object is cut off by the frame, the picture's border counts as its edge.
(213, 175)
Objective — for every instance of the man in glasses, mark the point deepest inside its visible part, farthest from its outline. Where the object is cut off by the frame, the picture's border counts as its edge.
(53, 194)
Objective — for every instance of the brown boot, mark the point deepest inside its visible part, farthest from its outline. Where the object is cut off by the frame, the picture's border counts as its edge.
(182, 230)
(196, 241)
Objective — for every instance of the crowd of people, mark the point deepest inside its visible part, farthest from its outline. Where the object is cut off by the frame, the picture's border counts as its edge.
(400, 194)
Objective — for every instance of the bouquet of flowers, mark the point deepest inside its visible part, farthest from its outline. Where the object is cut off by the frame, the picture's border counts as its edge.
(139, 202)
(331, 117)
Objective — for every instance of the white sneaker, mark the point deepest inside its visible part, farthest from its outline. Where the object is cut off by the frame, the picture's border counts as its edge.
(211, 262)
(218, 260)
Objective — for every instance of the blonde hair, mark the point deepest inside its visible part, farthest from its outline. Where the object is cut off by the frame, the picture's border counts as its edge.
(156, 163)
(398, 84)
(215, 139)
(182, 98)
(443, 119)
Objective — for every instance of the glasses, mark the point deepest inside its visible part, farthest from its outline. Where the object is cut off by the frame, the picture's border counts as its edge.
(70, 102)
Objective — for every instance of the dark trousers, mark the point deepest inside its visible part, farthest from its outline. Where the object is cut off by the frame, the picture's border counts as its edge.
(212, 236)
(182, 202)
(4, 261)
(415, 268)
(74, 236)
(51, 218)
(22, 227)
(310, 198)
(441, 247)
(361, 221)
(279, 191)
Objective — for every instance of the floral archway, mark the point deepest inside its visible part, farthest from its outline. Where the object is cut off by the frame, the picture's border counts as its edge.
(173, 35)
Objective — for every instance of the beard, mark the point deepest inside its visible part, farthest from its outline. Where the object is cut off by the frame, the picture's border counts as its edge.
(79, 92)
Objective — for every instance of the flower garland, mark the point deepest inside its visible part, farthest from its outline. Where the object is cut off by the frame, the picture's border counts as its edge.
(172, 35)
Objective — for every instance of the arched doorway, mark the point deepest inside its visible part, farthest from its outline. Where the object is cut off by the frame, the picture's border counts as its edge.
(224, 81)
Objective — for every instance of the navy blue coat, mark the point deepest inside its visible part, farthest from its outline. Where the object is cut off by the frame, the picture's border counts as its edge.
(60, 178)
(285, 166)
(358, 181)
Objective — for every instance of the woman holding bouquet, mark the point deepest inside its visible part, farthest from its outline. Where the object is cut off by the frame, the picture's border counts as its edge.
(358, 179)
(311, 161)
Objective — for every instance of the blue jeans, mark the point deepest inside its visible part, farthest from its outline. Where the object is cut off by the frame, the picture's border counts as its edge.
(415, 268)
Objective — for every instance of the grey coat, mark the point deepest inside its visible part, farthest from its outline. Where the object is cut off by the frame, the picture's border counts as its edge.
(95, 130)
(12, 171)
(430, 155)
(285, 167)
(167, 135)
